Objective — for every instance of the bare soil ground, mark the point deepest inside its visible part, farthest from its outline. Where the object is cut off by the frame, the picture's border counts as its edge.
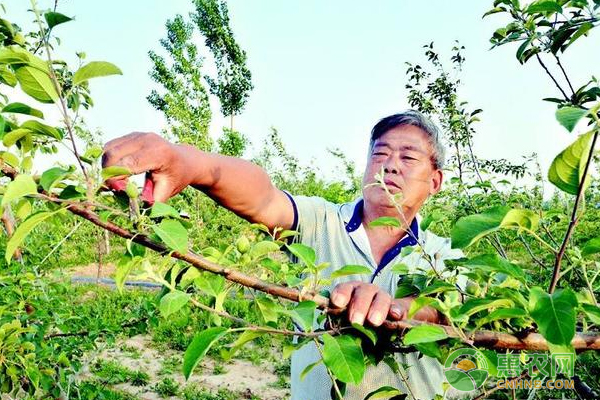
(239, 375)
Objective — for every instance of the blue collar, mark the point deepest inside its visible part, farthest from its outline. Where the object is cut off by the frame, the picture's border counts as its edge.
(408, 240)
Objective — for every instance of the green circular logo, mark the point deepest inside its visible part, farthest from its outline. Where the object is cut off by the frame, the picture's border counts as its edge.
(466, 369)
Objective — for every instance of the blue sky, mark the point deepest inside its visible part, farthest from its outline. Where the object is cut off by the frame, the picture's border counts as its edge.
(325, 71)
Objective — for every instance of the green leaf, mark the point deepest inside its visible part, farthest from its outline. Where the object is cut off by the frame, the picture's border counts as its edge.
(592, 312)
(554, 314)
(309, 368)
(384, 392)
(344, 357)
(351, 270)
(419, 303)
(544, 6)
(37, 84)
(23, 185)
(124, 266)
(471, 228)
(263, 248)
(10, 55)
(173, 302)
(199, 347)
(494, 11)
(385, 221)
(520, 218)
(490, 263)
(503, 313)
(566, 171)
(42, 129)
(582, 30)
(54, 18)
(303, 314)
(245, 337)
(268, 308)
(400, 269)
(473, 306)
(424, 334)
(368, 332)
(23, 230)
(10, 159)
(95, 69)
(437, 287)
(570, 116)
(173, 234)
(14, 136)
(21, 108)
(51, 176)
(303, 252)
(161, 210)
(115, 170)
(591, 247)
(210, 284)
(91, 153)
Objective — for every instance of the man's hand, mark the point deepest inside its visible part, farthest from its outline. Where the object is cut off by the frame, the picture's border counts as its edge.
(367, 302)
(168, 165)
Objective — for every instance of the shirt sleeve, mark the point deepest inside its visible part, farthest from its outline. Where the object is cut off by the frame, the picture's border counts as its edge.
(310, 217)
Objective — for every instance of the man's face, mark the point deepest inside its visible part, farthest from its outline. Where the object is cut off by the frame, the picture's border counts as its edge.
(405, 155)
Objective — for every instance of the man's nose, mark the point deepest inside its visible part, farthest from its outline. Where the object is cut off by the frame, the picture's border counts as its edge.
(391, 166)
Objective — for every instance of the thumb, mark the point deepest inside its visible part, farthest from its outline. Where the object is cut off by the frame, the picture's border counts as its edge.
(162, 190)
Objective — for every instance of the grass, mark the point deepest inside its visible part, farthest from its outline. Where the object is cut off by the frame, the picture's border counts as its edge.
(167, 387)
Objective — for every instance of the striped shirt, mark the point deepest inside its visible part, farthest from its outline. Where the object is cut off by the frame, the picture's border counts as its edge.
(337, 235)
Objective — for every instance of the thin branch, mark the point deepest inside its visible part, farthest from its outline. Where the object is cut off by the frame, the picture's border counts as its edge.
(486, 393)
(62, 106)
(533, 257)
(551, 77)
(564, 73)
(574, 219)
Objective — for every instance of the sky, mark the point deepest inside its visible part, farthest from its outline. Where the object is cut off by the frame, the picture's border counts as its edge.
(324, 72)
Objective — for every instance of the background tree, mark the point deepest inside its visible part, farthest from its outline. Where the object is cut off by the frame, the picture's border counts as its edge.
(234, 80)
(185, 99)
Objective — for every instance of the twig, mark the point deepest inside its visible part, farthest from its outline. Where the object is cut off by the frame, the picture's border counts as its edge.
(551, 77)
(574, 219)
(63, 105)
(533, 257)
(564, 73)
(486, 393)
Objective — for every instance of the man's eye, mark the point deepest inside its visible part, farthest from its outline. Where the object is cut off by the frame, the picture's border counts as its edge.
(379, 154)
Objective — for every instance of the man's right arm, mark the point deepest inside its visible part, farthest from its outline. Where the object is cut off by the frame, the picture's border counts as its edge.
(236, 184)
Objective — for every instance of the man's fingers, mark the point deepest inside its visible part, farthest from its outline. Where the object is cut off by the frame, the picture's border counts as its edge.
(162, 190)
(379, 308)
(148, 190)
(118, 184)
(342, 294)
(359, 306)
(397, 311)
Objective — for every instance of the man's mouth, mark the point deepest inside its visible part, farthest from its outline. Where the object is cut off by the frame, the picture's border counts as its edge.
(392, 184)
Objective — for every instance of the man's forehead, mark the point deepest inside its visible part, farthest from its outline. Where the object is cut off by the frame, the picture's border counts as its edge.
(405, 137)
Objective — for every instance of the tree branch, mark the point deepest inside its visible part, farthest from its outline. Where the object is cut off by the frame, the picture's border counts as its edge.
(486, 339)
(551, 77)
(573, 222)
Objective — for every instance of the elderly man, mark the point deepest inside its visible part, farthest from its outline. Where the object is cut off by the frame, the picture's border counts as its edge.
(407, 148)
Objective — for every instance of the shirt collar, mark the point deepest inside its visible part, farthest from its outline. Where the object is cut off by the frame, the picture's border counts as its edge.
(354, 219)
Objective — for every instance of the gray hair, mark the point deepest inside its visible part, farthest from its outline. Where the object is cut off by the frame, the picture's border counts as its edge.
(414, 118)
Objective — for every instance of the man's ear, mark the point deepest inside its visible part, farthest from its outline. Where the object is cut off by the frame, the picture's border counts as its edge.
(437, 177)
